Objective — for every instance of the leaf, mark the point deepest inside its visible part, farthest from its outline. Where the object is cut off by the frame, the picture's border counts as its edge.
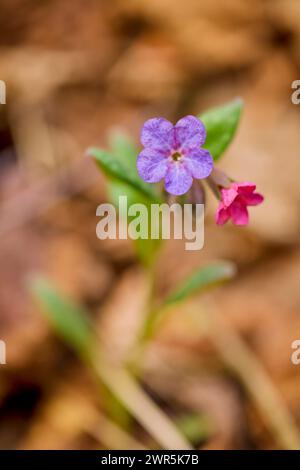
(202, 279)
(134, 196)
(124, 153)
(71, 324)
(221, 124)
(145, 248)
(123, 148)
(68, 320)
(205, 278)
(111, 166)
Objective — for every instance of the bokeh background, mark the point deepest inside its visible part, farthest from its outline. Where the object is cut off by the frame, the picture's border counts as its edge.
(76, 70)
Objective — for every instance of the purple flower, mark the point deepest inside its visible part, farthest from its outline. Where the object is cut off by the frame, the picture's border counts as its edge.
(174, 153)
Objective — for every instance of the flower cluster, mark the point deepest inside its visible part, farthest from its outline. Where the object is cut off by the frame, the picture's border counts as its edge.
(175, 154)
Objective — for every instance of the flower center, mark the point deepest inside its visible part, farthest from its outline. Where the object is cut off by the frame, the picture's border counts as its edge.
(176, 156)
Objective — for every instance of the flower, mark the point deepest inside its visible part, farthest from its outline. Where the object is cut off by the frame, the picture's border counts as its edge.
(234, 202)
(174, 153)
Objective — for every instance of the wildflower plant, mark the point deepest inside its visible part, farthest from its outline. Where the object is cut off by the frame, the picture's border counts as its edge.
(184, 156)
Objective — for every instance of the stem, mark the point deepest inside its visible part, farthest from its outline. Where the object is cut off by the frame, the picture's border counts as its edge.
(134, 362)
(111, 434)
(149, 415)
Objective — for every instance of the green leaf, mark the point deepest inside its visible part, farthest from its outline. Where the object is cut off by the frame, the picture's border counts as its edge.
(221, 124)
(117, 189)
(145, 248)
(126, 182)
(202, 279)
(68, 320)
(125, 151)
(123, 148)
(111, 166)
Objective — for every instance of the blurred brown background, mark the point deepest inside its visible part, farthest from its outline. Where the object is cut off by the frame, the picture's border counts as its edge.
(75, 70)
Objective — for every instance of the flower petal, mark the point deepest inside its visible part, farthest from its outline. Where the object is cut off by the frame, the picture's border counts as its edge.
(158, 134)
(229, 195)
(178, 180)
(252, 199)
(222, 215)
(199, 162)
(245, 187)
(151, 165)
(239, 213)
(189, 131)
